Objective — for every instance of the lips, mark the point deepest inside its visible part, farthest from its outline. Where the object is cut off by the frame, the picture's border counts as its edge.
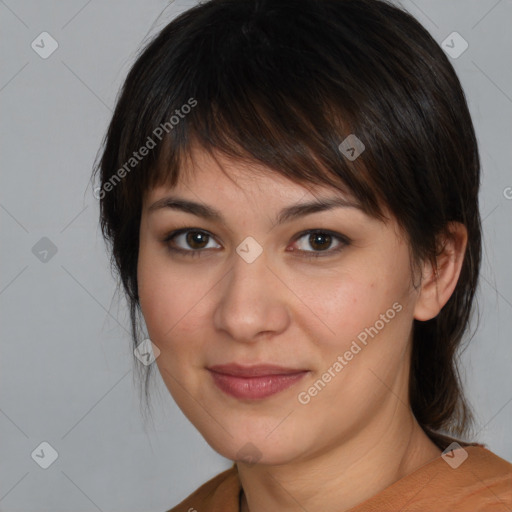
(254, 382)
(253, 371)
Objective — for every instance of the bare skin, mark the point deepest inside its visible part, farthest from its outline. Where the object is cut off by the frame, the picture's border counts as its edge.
(356, 435)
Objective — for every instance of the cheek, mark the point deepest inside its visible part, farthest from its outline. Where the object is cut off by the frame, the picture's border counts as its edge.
(339, 308)
(361, 330)
(172, 300)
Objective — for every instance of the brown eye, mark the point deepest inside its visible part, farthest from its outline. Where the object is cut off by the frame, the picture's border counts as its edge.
(188, 241)
(196, 239)
(321, 243)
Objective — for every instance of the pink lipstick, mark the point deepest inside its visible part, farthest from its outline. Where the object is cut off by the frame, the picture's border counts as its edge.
(254, 382)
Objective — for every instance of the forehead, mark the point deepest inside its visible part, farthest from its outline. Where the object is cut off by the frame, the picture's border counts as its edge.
(215, 174)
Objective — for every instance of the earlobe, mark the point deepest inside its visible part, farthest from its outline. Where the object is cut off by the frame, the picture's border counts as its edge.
(439, 279)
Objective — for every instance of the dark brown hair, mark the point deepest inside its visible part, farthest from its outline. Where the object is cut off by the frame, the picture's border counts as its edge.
(283, 83)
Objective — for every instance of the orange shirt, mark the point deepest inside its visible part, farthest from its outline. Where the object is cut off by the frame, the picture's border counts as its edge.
(481, 483)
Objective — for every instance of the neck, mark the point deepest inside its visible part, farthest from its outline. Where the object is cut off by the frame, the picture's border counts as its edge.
(342, 477)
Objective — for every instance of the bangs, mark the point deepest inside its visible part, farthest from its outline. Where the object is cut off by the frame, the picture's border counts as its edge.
(277, 132)
(247, 93)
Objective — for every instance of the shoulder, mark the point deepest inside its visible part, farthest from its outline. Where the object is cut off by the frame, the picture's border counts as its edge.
(472, 479)
(485, 481)
(221, 493)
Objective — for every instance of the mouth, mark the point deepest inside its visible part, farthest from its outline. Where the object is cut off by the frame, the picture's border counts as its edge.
(254, 382)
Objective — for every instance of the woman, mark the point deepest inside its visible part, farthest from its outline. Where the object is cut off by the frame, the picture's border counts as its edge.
(290, 191)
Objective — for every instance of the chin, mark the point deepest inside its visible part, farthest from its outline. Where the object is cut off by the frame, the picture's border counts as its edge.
(258, 448)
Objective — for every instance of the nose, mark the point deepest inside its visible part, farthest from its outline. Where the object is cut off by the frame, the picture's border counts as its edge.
(252, 301)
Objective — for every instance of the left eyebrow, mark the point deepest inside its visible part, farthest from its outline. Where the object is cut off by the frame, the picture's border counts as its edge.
(285, 215)
(320, 205)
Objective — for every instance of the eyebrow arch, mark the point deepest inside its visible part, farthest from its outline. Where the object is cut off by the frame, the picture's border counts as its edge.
(285, 215)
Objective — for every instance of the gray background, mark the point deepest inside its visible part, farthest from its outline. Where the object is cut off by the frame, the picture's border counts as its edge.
(66, 367)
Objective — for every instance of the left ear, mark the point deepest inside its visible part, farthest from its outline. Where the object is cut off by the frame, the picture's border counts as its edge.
(439, 281)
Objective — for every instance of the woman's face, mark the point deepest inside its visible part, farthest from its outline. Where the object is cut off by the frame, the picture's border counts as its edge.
(248, 290)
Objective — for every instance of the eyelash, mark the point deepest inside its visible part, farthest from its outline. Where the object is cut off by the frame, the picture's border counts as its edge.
(344, 241)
